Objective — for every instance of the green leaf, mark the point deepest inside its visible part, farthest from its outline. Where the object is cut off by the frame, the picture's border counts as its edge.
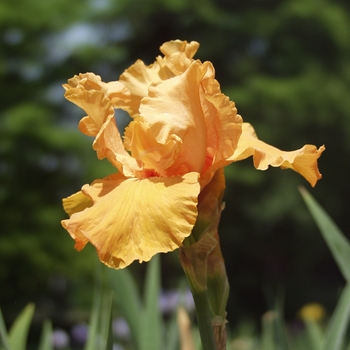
(267, 336)
(19, 330)
(172, 335)
(151, 317)
(128, 301)
(106, 323)
(3, 334)
(314, 334)
(45, 340)
(337, 327)
(337, 243)
(340, 249)
(94, 317)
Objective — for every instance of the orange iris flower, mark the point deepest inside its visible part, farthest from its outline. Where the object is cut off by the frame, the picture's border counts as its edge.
(183, 130)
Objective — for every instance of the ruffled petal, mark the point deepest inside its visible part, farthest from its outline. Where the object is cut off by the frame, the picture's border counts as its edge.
(76, 202)
(139, 77)
(174, 108)
(100, 122)
(135, 219)
(143, 144)
(179, 46)
(115, 91)
(177, 55)
(303, 161)
(224, 125)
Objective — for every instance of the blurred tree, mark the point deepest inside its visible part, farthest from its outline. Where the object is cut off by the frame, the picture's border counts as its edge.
(284, 63)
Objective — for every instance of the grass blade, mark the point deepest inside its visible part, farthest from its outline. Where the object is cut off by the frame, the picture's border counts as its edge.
(337, 327)
(128, 301)
(268, 331)
(4, 340)
(337, 243)
(106, 323)
(151, 320)
(45, 340)
(92, 340)
(314, 334)
(20, 328)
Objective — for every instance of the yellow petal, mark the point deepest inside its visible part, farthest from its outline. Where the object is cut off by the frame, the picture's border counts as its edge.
(135, 219)
(76, 202)
(108, 144)
(114, 91)
(173, 108)
(179, 46)
(143, 144)
(177, 55)
(192, 107)
(100, 123)
(303, 161)
(224, 126)
(139, 77)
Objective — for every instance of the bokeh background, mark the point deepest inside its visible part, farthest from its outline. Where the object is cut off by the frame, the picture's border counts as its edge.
(286, 64)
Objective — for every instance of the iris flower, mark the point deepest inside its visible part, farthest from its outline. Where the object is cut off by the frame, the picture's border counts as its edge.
(183, 130)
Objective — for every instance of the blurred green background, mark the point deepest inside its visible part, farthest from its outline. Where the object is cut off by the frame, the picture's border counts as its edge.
(286, 64)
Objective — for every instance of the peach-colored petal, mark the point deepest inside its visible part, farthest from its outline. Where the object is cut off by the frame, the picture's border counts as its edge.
(174, 108)
(76, 202)
(224, 125)
(114, 91)
(179, 46)
(303, 161)
(177, 55)
(100, 123)
(95, 104)
(134, 219)
(108, 144)
(143, 144)
(137, 78)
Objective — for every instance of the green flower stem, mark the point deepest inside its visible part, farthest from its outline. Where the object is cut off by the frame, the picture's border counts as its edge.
(193, 259)
(204, 319)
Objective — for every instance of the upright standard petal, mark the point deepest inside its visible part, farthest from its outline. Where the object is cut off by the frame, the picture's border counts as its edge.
(100, 122)
(303, 161)
(114, 90)
(134, 219)
(174, 108)
(139, 77)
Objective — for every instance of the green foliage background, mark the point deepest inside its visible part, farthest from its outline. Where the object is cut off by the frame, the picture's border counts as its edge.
(285, 63)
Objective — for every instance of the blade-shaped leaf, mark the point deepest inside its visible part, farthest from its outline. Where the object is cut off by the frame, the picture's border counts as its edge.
(314, 334)
(95, 315)
(172, 335)
(20, 328)
(151, 320)
(268, 331)
(4, 340)
(45, 340)
(128, 301)
(337, 243)
(337, 327)
(106, 323)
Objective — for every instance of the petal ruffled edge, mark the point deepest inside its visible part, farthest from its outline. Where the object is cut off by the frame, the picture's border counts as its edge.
(303, 160)
(134, 219)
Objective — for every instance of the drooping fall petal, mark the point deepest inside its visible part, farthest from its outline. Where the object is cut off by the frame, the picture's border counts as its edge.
(303, 161)
(76, 202)
(134, 219)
